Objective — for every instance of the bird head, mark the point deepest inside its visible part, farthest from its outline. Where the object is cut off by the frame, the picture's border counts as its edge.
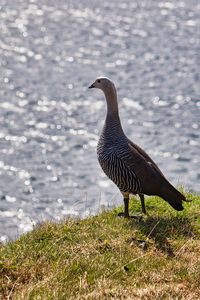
(102, 83)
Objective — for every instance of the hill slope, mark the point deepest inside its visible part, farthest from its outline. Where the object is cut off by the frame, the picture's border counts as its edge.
(108, 257)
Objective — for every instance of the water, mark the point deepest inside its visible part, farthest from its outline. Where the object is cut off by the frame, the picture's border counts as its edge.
(51, 51)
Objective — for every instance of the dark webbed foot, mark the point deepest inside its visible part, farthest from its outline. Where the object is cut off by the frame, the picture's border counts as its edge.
(137, 217)
(122, 214)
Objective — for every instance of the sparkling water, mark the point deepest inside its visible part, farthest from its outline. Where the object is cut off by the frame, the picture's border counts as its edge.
(51, 51)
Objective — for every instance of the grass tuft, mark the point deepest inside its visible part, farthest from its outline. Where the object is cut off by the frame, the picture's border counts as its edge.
(108, 257)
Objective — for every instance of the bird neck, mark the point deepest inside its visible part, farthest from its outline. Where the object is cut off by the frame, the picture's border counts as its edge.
(112, 123)
(111, 99)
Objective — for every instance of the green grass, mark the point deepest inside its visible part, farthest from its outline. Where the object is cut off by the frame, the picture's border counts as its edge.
(104, 257)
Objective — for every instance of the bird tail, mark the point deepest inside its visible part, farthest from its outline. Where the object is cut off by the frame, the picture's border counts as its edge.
(174, 198)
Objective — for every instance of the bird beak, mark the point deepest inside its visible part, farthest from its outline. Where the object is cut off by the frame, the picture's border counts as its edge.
(92, 86)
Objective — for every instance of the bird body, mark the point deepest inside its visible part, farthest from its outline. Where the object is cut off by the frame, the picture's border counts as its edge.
(125, 163)
(111, 152)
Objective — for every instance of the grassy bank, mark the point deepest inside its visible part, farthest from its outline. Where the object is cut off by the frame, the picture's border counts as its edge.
(108, 257)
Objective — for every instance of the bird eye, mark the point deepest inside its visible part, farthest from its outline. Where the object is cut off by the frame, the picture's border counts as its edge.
(98, 80)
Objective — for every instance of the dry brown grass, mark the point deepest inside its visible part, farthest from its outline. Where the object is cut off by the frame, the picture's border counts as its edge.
(104, 257)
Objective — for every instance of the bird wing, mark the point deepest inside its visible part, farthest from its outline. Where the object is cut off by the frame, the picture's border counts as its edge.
(145, 155)
(151, 178)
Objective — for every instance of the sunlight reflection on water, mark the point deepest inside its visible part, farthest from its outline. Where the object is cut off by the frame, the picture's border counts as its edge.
(50, 122)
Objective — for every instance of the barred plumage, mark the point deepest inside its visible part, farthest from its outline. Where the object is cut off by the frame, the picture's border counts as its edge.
(114, 167)
(125, 163)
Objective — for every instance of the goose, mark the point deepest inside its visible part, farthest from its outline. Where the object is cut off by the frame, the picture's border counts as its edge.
(125, 163)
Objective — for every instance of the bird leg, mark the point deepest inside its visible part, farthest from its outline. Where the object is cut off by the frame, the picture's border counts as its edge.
(126, 211)
(142, 202)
